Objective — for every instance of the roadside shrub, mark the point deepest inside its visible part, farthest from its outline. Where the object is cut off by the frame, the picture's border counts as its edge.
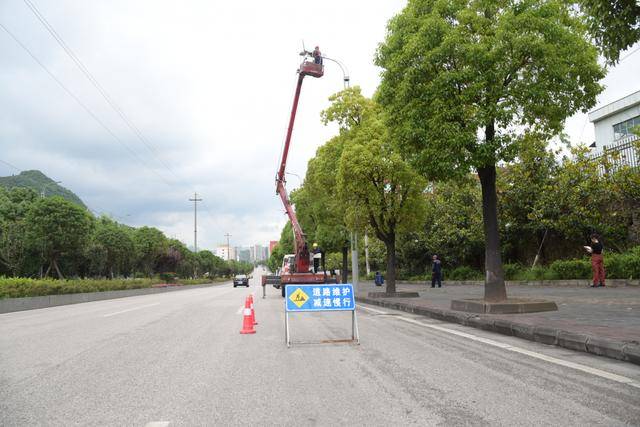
(512, 271)
(464, 273)
(18, 287)
(569, 269)
(168, 277)
(623, 266)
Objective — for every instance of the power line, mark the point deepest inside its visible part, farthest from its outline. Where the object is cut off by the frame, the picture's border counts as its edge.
(96, 84)
(79, 102)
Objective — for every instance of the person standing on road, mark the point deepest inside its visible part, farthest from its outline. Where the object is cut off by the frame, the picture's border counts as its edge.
(597, 261)
(436, 272)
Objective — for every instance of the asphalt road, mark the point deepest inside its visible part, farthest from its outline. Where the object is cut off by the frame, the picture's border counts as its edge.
(178, 359)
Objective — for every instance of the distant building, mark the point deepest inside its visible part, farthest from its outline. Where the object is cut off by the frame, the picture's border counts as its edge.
(258, 253)
(613, 125)
(225, 252)
(244, 255)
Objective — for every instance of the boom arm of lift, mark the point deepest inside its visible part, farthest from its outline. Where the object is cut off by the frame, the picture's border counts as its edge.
(301, 248)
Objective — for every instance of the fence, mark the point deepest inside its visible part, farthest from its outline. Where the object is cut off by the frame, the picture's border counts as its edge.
(623, 152)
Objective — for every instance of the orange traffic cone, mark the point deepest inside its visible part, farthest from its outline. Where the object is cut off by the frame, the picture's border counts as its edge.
(247, 321)
(253, 311)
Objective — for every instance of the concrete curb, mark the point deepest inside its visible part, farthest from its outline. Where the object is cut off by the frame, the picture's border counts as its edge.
(579, 283)
(628, 351)
(10, 305)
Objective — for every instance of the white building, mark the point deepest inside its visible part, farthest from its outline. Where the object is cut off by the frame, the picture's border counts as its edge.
(613, 125)
(225, 252)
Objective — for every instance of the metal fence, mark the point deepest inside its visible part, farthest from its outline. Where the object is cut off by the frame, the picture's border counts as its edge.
(623, 152)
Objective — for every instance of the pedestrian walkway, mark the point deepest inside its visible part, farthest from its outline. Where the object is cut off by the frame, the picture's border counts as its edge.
(608, 317)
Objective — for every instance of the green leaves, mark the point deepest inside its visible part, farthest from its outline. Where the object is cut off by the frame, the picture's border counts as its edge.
(452, 68)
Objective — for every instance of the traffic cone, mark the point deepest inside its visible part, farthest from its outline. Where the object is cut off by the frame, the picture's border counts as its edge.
(253, 311)
(247, 321)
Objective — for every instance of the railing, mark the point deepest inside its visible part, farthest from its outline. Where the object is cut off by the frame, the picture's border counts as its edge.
(621, 153)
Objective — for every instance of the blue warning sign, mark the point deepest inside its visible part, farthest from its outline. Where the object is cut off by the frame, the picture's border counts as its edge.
(336, 297)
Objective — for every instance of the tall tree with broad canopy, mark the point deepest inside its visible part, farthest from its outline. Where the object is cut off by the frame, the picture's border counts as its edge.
(463, 80)
(59, 227)
(380, 191)
(321, 213)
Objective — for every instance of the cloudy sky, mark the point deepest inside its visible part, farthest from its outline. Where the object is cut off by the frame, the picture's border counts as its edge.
(208, 84)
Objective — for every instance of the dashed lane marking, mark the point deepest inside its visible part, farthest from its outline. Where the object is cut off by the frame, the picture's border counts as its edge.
(508, 347)
(130, 309)
(157, 424)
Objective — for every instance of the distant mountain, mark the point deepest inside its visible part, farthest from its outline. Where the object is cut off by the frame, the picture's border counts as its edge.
(39, 182)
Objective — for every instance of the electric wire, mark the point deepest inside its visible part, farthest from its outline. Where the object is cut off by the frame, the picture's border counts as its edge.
(78, 62)
(79, 102)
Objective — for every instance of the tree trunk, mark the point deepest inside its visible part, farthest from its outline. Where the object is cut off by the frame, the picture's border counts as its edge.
(345, 263)
(390, 244)
(494, 288)
(55, 265)
(46, 273)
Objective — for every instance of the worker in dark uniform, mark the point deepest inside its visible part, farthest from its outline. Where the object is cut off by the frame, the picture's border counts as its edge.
(318, 257)
(597, 261)
(317, 56)
(436, 272)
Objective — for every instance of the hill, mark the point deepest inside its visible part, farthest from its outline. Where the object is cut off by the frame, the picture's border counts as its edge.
(39, 182)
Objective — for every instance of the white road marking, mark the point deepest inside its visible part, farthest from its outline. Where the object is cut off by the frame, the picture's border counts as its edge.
(157, 424)
(131, 309)
(508, 347)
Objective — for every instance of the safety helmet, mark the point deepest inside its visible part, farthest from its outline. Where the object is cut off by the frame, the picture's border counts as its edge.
(315, 245)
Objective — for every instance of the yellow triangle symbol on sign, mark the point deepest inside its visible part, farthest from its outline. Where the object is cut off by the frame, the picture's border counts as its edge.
(299, 297)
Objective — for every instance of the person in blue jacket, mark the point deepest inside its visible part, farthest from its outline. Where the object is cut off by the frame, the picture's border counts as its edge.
(378, 279)
(436, 272)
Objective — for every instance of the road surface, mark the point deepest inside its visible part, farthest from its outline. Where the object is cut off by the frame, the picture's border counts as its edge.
(178, 359)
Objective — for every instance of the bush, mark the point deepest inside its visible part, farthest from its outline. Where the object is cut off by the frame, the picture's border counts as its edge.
(512, 271)
(569, 269)
(623, 266)
(24, 287)
(464, 273)
(168, 277)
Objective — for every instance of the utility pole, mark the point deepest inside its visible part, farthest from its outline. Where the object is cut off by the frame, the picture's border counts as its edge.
(228, 247)
(366, 253)
(195, 201)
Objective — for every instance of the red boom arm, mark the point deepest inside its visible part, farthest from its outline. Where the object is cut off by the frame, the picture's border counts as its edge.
(301, 249)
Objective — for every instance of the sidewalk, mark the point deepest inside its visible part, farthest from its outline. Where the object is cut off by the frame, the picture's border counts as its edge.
(603, 321)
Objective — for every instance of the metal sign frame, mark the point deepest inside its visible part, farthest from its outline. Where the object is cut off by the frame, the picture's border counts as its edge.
(355, 334)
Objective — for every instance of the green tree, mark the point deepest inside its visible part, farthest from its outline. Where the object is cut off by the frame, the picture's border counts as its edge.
(462, 80)
(59, 227)
(14, 205)
(380, 190)
(150, 245)
(113, 244)
(614, 24)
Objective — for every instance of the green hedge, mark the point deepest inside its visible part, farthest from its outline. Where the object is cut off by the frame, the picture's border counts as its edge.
(463, 273)
(11, 287)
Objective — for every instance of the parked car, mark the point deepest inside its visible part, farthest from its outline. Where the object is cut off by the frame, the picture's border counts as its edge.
(241, 280)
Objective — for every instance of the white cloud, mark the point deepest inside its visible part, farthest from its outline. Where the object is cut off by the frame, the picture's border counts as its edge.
(209, 84)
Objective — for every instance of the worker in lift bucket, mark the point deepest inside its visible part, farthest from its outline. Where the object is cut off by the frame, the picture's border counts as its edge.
(317, 257)
(317, 56)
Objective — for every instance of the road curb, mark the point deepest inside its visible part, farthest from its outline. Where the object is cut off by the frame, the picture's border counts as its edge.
(620, 350)
(11, 305)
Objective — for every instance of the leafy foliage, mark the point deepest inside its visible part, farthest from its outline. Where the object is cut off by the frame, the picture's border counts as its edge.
(463, 81)
(614, 24)
(39, 183)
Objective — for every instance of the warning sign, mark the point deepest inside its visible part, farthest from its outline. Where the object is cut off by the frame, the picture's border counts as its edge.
(298, 297)
(321, 297)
